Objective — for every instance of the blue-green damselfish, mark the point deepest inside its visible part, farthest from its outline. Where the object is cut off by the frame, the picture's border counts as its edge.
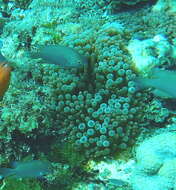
(29, 169)
(162, 81)
(63, 56)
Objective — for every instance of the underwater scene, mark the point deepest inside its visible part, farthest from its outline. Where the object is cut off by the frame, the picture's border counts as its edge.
(88, 94)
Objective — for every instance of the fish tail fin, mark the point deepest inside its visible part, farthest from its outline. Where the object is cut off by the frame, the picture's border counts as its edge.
(5, 172)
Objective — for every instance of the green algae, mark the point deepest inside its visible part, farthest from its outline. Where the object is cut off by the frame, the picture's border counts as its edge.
(25, 184)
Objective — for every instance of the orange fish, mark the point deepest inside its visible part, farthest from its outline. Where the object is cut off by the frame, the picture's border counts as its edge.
(5, 71)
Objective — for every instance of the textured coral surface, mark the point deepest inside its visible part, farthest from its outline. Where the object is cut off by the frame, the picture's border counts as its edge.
(94, 111)
(156, 163)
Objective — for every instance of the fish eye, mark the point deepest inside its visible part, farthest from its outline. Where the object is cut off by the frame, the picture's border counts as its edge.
(40, 173)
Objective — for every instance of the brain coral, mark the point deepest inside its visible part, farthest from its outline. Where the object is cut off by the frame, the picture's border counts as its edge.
(156, 158)
(96, 109)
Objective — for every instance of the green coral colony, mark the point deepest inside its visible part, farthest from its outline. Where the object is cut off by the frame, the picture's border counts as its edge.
(88, 99)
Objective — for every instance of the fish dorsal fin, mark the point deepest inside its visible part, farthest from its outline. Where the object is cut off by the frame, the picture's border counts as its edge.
(159, 73)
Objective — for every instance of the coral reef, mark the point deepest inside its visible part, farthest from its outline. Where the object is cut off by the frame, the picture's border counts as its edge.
(122, 4)
(20, 184)
(93, 111)
(66, 97)
(155, 163)
(95, 108)
(150, 53)
(156, 112)
(164, 5)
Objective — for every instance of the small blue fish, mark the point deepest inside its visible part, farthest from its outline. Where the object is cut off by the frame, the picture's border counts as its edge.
(29, 169)
(65, 57)
(117, 182)
(163, 81)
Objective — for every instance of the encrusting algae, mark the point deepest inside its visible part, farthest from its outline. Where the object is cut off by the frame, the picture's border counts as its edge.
(5, 71)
